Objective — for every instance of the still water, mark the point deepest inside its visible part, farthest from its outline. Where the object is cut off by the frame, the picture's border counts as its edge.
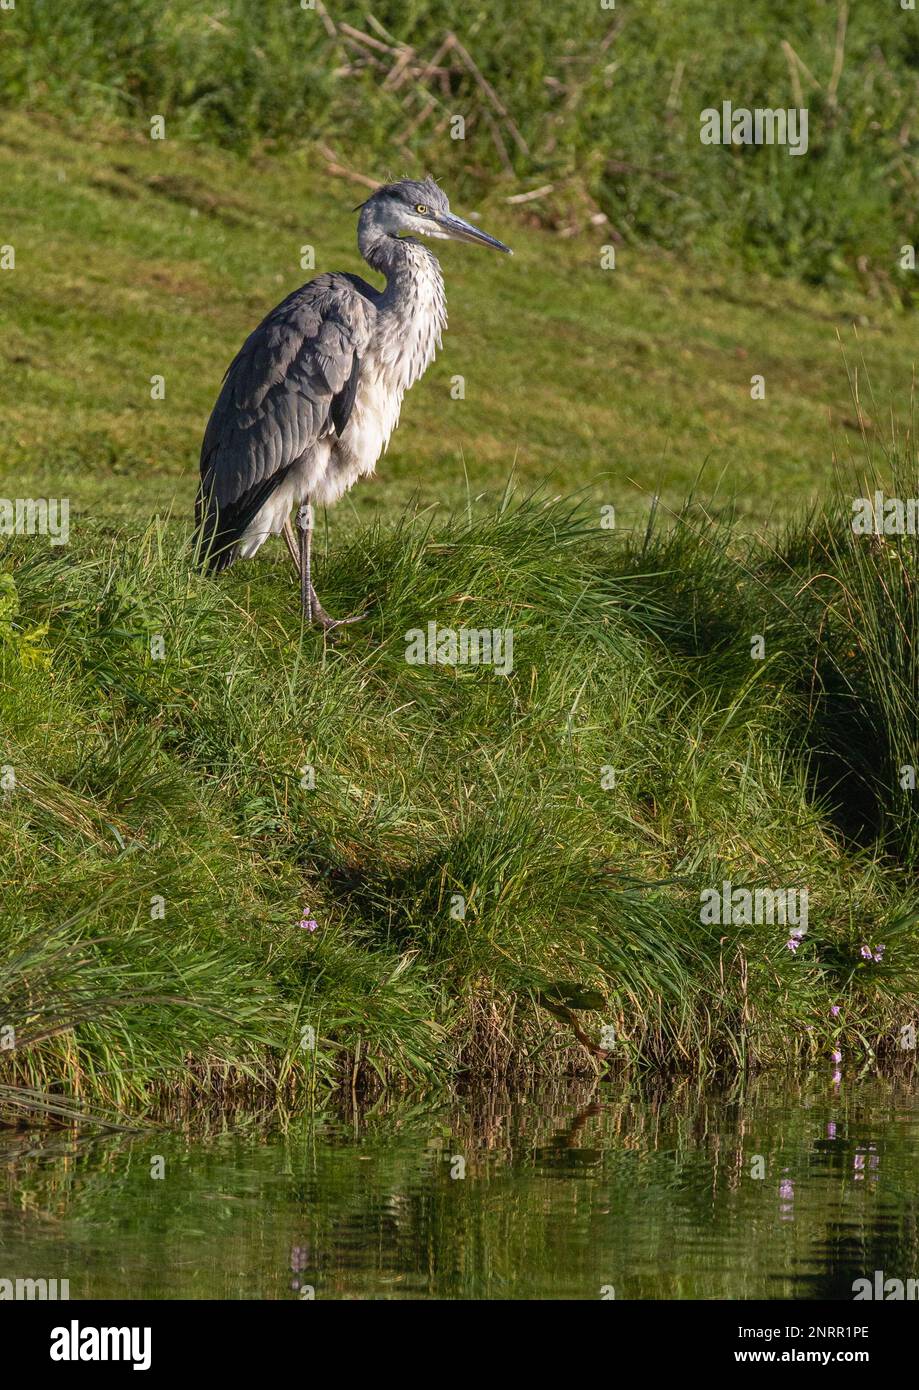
(776, 1188)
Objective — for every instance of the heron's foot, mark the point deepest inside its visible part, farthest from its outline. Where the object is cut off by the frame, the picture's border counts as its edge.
(320, 618)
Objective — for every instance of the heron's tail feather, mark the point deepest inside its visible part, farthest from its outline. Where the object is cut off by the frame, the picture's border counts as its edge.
(216, 545)
(222, 528)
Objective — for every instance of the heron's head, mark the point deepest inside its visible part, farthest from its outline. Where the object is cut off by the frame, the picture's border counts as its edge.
(420, 208)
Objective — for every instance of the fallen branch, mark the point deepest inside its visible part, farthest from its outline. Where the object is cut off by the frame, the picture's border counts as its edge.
(532, 195)
(341, 171)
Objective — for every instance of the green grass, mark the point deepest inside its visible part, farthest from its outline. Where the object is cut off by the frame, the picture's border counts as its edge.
(158, 846)
(162, 846)
(135, 259)
(602, 104)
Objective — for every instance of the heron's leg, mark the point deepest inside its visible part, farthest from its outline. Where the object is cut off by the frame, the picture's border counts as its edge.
(307, 593)
(313, 610)
(291, 543)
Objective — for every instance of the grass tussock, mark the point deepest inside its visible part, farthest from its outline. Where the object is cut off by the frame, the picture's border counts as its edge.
(187, 778)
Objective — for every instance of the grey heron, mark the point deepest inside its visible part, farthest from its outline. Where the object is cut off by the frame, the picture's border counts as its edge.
(311, 400)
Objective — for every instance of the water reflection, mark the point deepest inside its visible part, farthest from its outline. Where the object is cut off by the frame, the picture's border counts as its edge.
(773, 1188)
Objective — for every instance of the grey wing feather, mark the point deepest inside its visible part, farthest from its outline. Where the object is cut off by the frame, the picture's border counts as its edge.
(343, 403)
(293, 381)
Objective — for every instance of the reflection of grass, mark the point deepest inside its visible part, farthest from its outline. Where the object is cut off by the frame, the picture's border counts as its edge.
(648, 1186)
(160, 818)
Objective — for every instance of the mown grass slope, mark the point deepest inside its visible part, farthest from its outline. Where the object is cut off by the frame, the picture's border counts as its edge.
(137, 258)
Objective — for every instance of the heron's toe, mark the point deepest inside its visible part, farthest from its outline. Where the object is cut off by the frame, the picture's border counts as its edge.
(320, 618)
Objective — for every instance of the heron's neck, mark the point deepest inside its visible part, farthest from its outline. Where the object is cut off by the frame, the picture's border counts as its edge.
(413, 307)
(401, 261)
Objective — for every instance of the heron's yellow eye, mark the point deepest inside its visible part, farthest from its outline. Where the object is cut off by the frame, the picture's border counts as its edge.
(422, 208)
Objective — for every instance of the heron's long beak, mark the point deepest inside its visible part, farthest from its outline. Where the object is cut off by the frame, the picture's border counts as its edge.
(459, 230)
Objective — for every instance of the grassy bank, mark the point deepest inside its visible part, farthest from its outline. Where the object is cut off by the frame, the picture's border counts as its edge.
(164, 837)
(187, 778)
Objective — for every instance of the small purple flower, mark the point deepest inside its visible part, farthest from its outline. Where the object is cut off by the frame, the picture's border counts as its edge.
(792, 943)
(837, 1056)
(835, 1010)
(867, 952)
(879, 954)
(787, 1190)
(831, 1130)
(307, 922)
